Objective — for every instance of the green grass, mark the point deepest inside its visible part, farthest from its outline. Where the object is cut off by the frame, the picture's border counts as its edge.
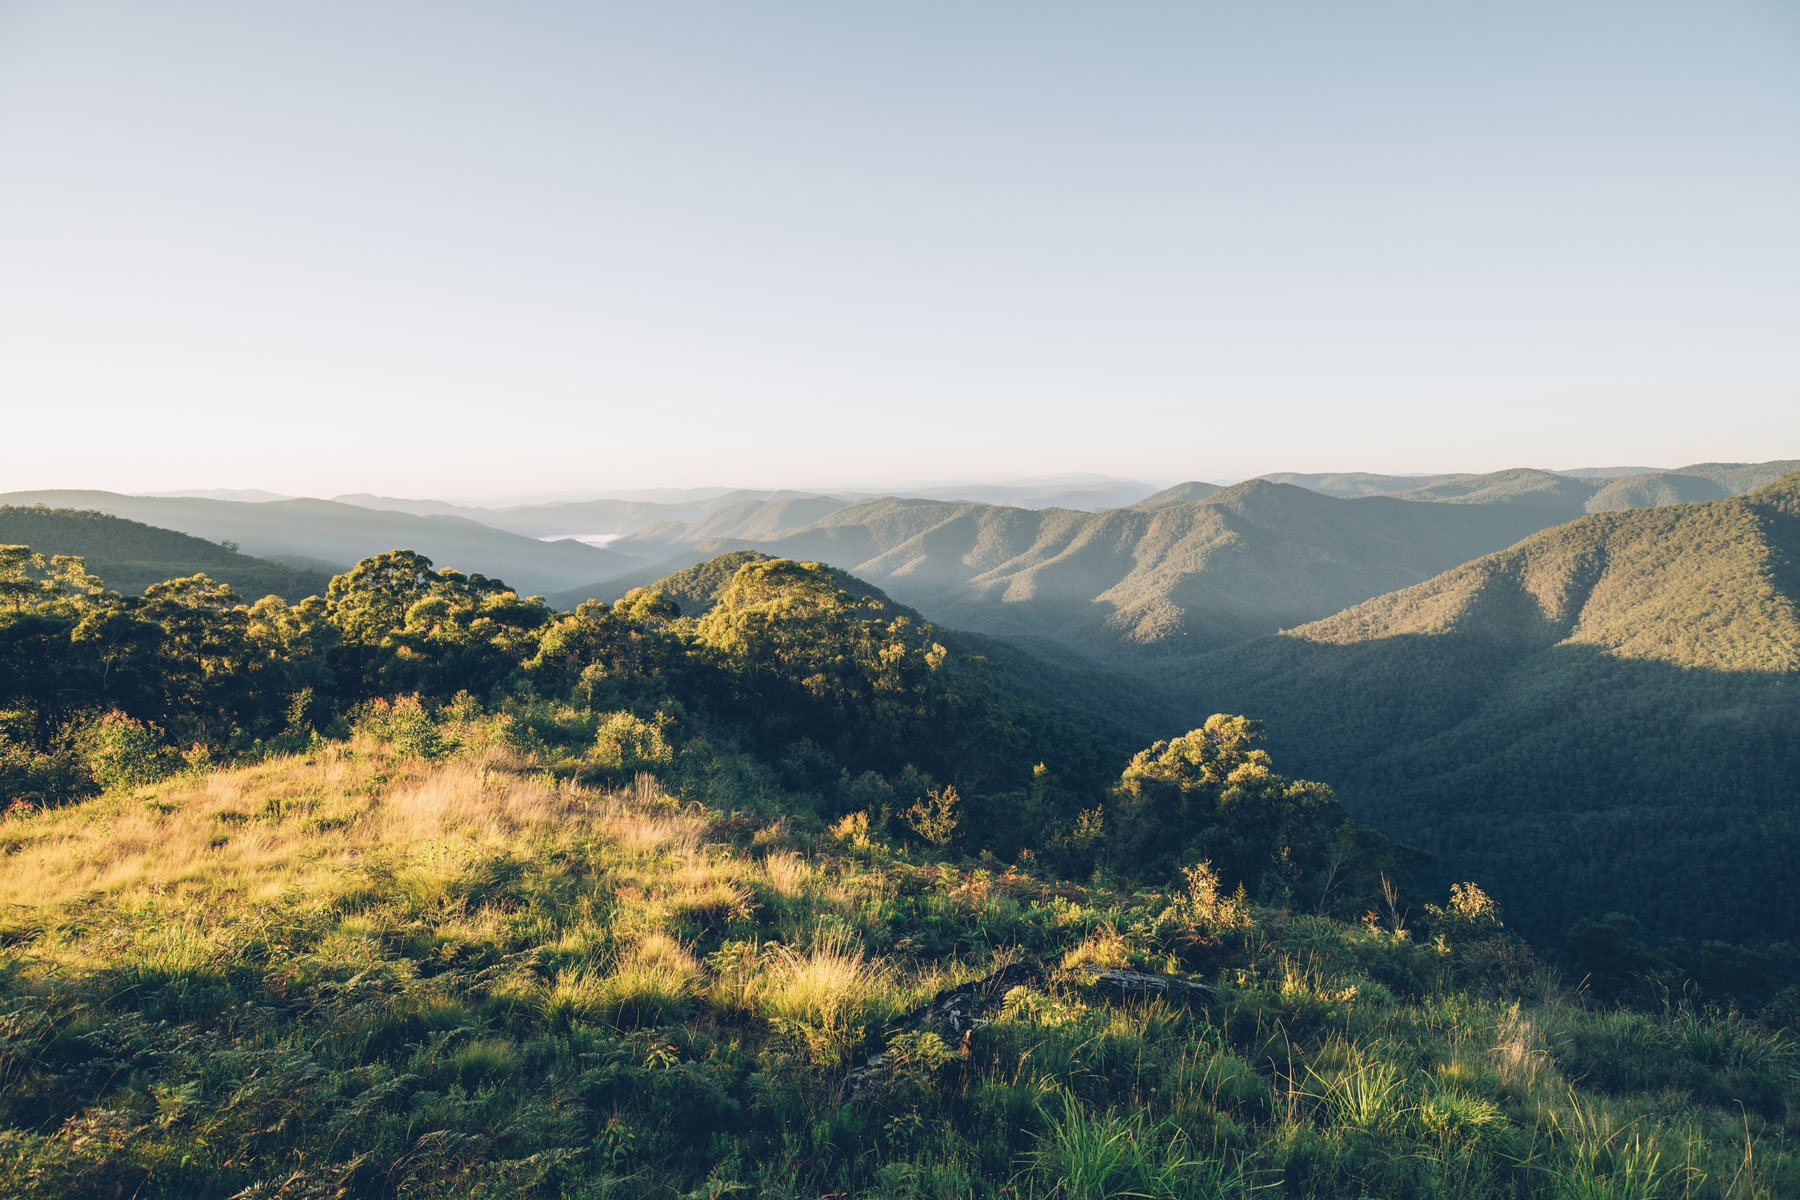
(363, 973)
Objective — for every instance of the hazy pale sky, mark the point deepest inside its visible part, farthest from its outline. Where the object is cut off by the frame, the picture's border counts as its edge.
(463, 249)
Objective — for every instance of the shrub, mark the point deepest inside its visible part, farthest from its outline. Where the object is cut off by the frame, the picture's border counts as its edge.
(402, 723)
(32, 779)
(124, 752)
(464, 728)
(1203, 909)
(626, 744)
(933, 816)
(1470, 915)
(853, 831)
(1072, 851)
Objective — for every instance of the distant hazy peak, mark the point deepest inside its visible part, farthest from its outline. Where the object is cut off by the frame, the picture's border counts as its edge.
(1263, 493)
(1181, 493)
(242, 495)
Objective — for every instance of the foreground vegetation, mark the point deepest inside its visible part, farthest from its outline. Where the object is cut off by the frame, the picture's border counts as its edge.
(364, 971)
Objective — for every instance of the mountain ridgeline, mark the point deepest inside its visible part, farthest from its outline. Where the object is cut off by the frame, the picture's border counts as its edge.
(1178, 574)
(1605, 716)
(1176, 579)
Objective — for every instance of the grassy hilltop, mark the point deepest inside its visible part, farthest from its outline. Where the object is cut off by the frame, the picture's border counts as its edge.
(367, 970)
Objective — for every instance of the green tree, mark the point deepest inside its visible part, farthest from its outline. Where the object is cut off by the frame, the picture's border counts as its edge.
(371, 600)
(1211, 794)
(19, 570)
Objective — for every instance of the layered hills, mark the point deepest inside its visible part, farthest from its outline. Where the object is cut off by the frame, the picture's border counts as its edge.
(129, 556)
(1174, 579)
(1601, 715)
(1185, 571)
(1572, 493)
(327, 536)
(1606, 715)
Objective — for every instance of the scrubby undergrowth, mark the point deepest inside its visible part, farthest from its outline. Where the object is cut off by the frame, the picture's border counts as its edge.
(366, 972)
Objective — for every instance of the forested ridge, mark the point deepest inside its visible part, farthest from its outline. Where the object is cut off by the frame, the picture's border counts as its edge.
(129, 556)
(323, 534)
(1602, 717)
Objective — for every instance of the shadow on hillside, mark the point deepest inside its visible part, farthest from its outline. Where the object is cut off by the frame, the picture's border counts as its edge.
(1566, 780)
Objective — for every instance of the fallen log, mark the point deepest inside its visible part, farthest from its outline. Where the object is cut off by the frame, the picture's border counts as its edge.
(956, 1013)
(1137, 985)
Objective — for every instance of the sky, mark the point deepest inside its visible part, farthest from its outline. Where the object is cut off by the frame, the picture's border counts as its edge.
(471, 250)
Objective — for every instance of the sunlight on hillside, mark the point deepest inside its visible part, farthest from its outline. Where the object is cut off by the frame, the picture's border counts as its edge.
(453, 945)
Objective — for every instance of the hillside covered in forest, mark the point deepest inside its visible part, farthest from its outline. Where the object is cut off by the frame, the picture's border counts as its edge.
(326, 536)
(129, 556)
(1601, 717)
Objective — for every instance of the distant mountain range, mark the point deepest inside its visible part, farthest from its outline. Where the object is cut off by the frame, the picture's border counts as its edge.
(1587, 489)
(1180, 573)
(1175, 573)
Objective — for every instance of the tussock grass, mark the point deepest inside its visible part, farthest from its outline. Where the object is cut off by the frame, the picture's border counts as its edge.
(1356, 1091)
(1101, 1155)
(786, 874)
(828, 995)
(653, 981)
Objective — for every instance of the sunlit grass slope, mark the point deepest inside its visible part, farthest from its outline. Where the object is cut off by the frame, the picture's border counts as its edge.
(359, 973)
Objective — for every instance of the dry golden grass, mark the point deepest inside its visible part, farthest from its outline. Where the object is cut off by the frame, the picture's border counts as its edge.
(828, 995)
(644, 834)
(651, 981)
(1105, 948)
(787, 874)
(306, 825)
(219, 853)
